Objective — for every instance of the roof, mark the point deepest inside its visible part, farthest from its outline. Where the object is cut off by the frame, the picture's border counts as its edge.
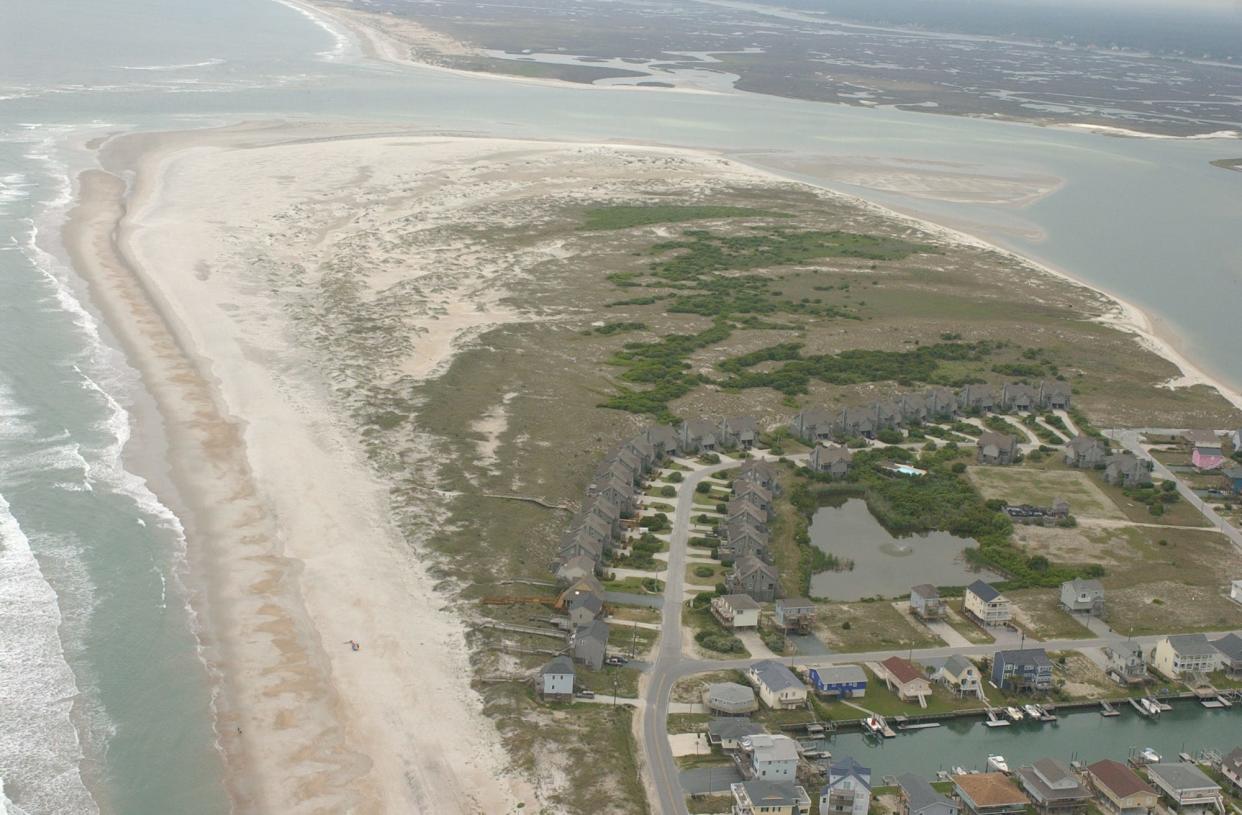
(1181, 776)
(847, 766)
(771, 793)
(956, 664)
(794, 602)
(558, 665)
(1230, 645)
(1118, 778)
(1002, 440)
(584, 599)
(1082, 443)
(775, 675)
(739, 602)
(990, 790)
(839, 674)
(750, 564)
(1191, 645)
(983, 591)
(828, 453)
(734, 727)
(1201, 437)
(920, 794)
(1052, 779)
(925, 590)
(766, 747)
(1232, 472)
(1025, 656)
(730, 692)
(1080, 585)
(902, 670)
(596, 630)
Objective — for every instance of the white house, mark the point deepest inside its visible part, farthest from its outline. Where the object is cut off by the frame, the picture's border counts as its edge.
(769, 798)
(736, 611)
(769, 758)
(986, 604)
(960, 675)
(848, 791)
(556, 679)
(1185, 654)
(778, 687)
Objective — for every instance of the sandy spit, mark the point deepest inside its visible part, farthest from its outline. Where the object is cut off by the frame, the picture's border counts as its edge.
(291, 549)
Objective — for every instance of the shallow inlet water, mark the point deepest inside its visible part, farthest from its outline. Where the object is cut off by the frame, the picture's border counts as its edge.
(883, 564)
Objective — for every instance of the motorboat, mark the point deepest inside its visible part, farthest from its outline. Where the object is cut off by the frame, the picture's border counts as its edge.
(873, 725)
(998, 763)
(1033, 711)
(1150, 705)
(1014, 714)
(1149, 756)
(959, 771)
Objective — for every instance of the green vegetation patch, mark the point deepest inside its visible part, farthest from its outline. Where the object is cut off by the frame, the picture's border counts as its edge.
(628, 216)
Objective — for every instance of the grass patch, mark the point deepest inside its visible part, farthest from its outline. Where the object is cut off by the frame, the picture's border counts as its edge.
(630, 216)
(1039, 613)
(869, 626)
(1033, 485)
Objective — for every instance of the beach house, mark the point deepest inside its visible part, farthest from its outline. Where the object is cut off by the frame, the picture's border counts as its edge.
(1231, 769)
(1125, 662)
(1053, 787)
(905, 679)
(1085, 452)
(1229, 649)
(919, 797)
(727, 732)
(556, 678)
(1079, 596)
(736, 611)
(925, 602)
(768, 758)
(848, 791)
(739, 432)
(1182, 656)
(842, 681)
(752, 576)
(1233, 479)
(960, 675)
(832, 459)
(986, 605)
(1127, 470)
(1022, 670)
(1119, 790)
(989, 794)
(777, 686)
(589, 644)
(1186, 789)
(730, 698)
(794, 614)
(769, 798)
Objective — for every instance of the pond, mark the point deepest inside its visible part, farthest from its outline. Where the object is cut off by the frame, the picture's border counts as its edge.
(883, 564)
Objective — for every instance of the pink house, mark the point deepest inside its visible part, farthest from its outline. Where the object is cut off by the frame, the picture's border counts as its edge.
(1207, 456)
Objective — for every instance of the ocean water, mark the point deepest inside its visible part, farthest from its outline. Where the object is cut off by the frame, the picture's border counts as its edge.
(105, 704)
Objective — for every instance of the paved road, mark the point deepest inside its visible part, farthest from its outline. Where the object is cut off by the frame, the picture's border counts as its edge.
(663, 773)
(1132, 441)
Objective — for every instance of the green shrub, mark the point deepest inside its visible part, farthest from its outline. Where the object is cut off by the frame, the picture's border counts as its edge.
(668, 491)
(703, 487)
(704, 571)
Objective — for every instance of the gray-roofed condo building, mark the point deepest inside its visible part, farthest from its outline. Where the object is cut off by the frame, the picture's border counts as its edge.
(919, 797)
(761, 472)
(1127, 470)
(1186, 789)
(739, 431)
(697, 436)
(832, 459)
(996, 448)
(752, 576)
(813, 424)
(1085, 452)
(1053, 787)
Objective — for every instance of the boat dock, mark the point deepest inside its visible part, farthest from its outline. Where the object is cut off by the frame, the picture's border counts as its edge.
(1106, 709)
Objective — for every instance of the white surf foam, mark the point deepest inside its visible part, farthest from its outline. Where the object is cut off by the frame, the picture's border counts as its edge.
(342, 43)
(207, 63)
(39, 747)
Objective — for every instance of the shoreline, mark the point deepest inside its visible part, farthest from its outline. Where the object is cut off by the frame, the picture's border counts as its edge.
(287, 717)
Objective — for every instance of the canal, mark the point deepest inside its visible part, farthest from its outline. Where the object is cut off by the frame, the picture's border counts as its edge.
(1085, 736)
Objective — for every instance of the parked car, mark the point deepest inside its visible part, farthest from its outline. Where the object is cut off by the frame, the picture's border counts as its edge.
(618, 661)
(585, 694)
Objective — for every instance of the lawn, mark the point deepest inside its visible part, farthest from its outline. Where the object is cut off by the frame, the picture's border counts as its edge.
(1031, 485)
(714, 573)
(636, 585)
(624, 680)
(687, 722)
(869, 626)
(636, 614)
(1039, 613)
(958, 622)
(631, 640)
(879, 699)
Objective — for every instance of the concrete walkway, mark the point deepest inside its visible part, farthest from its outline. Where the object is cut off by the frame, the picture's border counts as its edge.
(947, 633)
